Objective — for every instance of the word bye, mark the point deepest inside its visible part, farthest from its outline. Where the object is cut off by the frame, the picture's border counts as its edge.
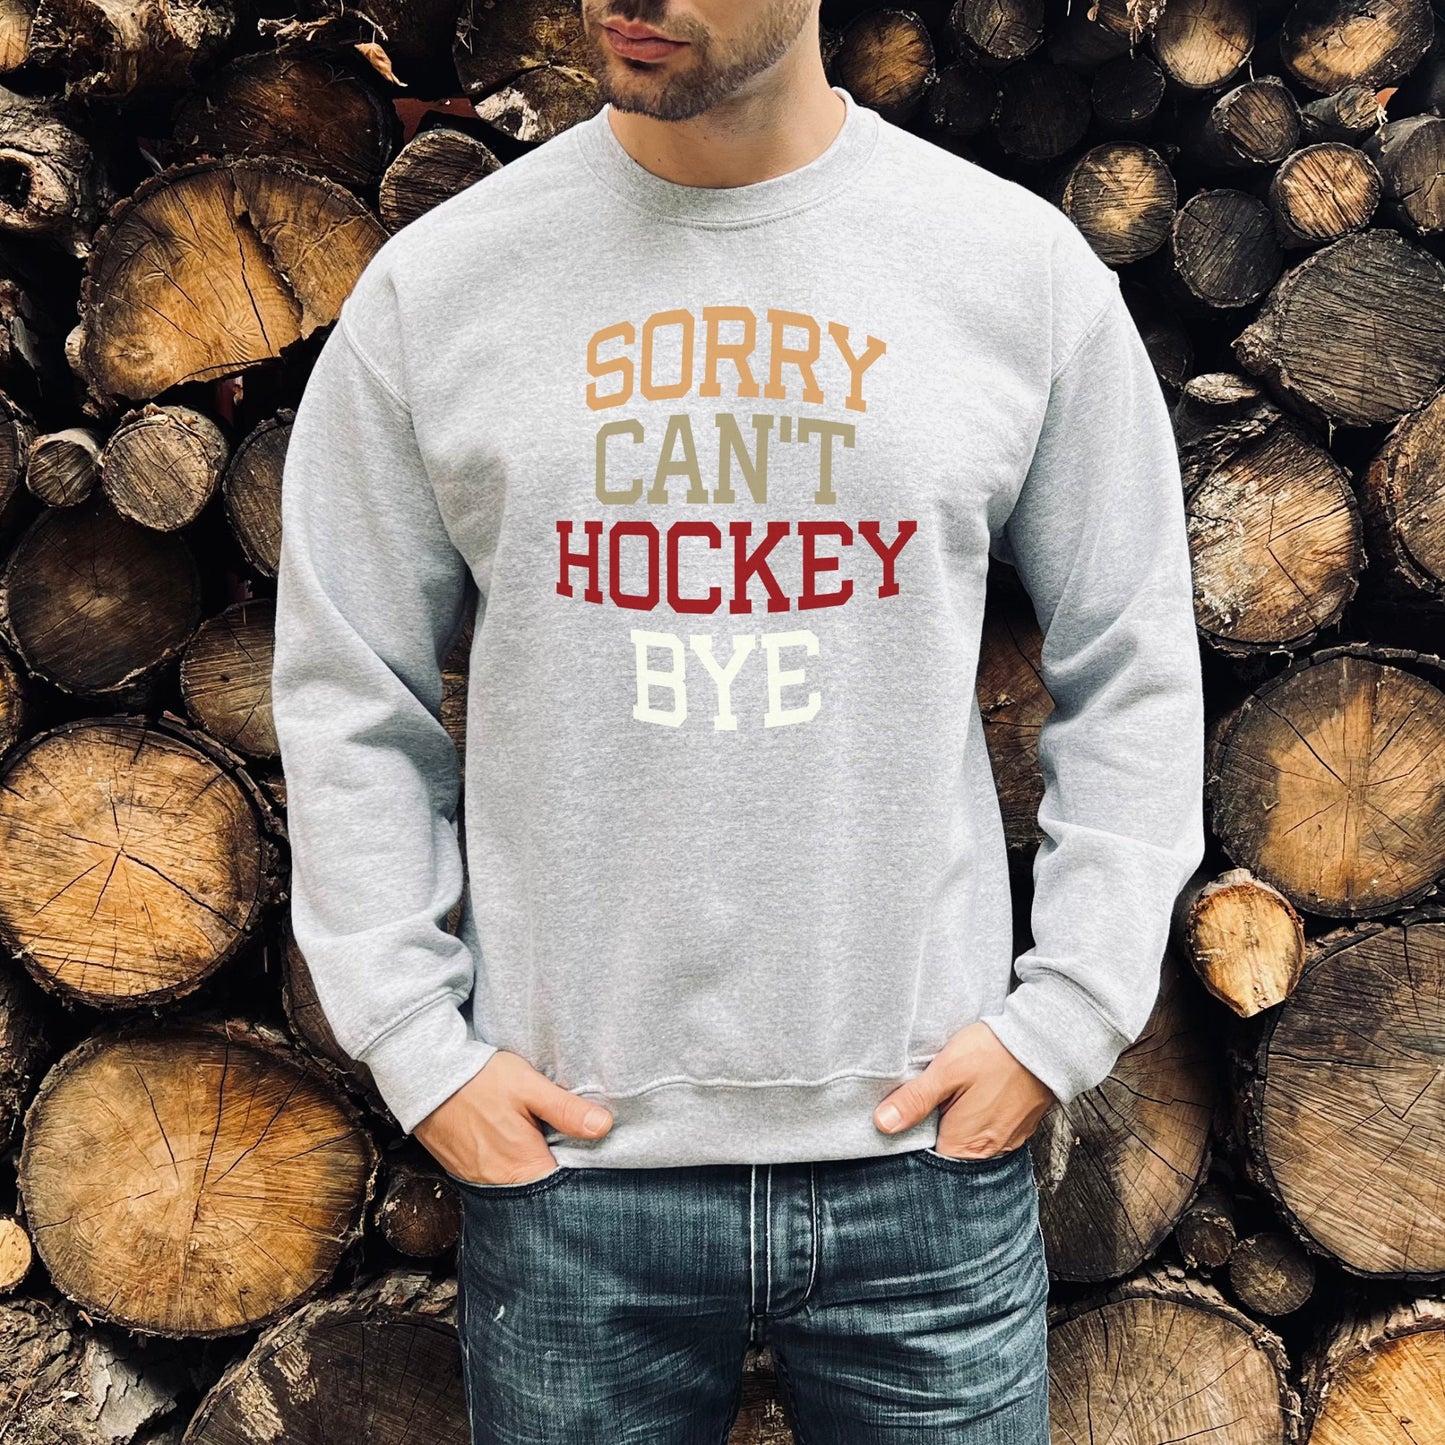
(672, 679)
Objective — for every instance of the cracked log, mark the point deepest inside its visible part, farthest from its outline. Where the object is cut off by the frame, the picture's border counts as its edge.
(1222, 252)
(1403, 502)
(1329, 44)
(139, 859)
(885, 59)
(1244, 938)
(1325, 781)
(1377, 1377)
(1118, 1165)
(1122, 197)
(1163, 1357)
(324, 112)
(96, 604)
(63, 467)
(1254, 124)
(162, 464)
(1200, 44)
(1276, 543)
(226, 677)
(251, 490)
(995, 32)
(212, 267)
(378, 1362)
(1271, 1274)
(1410, 156)
(419, 1212)
(198, 1178)
(1342, 1108)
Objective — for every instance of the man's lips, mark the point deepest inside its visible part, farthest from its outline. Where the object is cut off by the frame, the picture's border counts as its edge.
(641, 47)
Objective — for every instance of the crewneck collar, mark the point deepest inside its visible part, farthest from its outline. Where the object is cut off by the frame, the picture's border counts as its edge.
(613, 165)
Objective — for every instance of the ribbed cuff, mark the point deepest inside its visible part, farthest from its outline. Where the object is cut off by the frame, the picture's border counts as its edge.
(424, 1059)
(1051, 1026)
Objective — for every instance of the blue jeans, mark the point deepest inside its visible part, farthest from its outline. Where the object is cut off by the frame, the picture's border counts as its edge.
(902, 1298)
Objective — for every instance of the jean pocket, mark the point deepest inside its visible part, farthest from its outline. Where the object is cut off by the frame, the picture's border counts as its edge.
(527, 1186)
(955, 1164)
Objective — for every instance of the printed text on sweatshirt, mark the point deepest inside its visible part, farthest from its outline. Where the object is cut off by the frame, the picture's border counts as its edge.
(725, 467)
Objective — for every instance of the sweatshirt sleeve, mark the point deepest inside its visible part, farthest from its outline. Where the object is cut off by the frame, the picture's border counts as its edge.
(370, 593)
(1097, 535)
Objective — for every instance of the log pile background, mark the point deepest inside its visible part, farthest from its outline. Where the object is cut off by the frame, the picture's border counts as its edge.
(209, 1228)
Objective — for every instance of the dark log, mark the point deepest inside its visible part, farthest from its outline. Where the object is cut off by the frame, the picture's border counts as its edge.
(1218, 414)
(964, 100)
(200, 1178)
(1270, 1274)
(25, 1020)
(1117, 1166)
(419, 1211)
(1322, 781)
(1404, 515)
(213, 267)
(1344, 1125)
(1355, 333)
(1222, 252)
(431, 167)
(226, 677)
(1205, 1233)
(1349, 115)
(140, 859)
(96, 604)
(998, 31)
(251, 490)
(1126, 93)
(1254, 124)
(63, 467)
(1043, 111)
(1322, 192)
(1122, 197)
(885, 60)
(316, 110)
(162, 464)
(1410, 155)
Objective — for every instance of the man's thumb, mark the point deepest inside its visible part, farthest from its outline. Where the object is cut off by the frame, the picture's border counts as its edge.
(911, 1102)
(569, 1112)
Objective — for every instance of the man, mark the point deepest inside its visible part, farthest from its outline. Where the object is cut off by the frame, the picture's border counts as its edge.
(723, 398)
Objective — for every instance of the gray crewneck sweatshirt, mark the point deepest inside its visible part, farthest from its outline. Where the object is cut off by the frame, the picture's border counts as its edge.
(726, 466)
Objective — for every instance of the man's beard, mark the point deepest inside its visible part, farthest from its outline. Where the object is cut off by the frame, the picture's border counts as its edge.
(707, 79)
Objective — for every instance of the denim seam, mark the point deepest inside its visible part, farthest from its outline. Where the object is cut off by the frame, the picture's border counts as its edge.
(768, 1241)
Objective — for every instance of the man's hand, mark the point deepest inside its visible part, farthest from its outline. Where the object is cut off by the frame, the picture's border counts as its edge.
(990, 1101)
(487, 1131)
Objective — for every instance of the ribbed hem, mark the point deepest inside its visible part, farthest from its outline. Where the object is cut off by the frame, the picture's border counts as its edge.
(424, 1060)
(685, 1123)
(612, 164)
(1052, 1027)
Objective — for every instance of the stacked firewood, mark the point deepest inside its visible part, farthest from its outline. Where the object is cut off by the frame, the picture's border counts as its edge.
(215, 1230)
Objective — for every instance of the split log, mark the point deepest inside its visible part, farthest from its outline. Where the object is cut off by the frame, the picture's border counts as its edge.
(1245, 940)
(54, 187)
(1345, 1129)
(316, 110)
(212, 267)
(1355, 333)
(96, 604)
(1323, 781)
(885, 60)
(526, 66)
(1322, 192)
(1013, 703)
(63, 467)
(251, 490)
(430, 168)
(1043, 111)
(16, 1254)
(1329, 44)
(1117, 1166)
(114, 52)
(1403, 502)
(1254, 124)
(377, 1362)
(66, 1380)
(139, 859)
(150, 1157)
(1112, 1378)
(1202, 44)
(1222, 251)
(1206, 1233)
(1276, 544)
(1270, 1274)
(419, 1212)
(1122, 197)
(162, 464)
(1125, 94)
(226, 677)
(1378, 1377)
